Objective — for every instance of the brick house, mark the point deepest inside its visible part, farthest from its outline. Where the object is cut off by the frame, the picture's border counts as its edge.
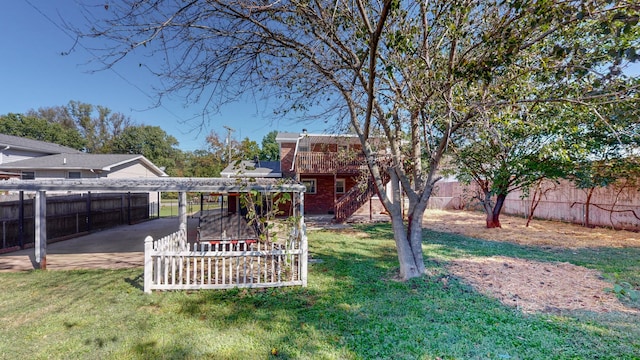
(332, 167)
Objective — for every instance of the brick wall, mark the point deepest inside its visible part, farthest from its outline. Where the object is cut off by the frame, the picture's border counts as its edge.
(286, 158)
(322, 201)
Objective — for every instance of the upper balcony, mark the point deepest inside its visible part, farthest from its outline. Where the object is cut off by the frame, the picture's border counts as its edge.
(314, 162)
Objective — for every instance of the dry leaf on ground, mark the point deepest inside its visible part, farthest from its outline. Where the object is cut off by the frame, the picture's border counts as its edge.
(534, 286)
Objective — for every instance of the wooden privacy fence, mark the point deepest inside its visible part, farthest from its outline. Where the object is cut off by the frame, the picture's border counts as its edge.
(70, 215)
(171, 263)
(613, 206)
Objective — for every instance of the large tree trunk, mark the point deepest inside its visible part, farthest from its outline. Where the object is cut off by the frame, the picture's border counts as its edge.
(408, 237)
(492, 211)
(415, 236)
(493, 221)
(410, 256)
(487, 206)
(488, 210)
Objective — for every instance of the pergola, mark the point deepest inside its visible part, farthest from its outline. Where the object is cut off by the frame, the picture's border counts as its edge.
(222, 186)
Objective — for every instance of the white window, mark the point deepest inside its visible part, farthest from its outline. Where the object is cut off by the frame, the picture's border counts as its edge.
(310, 184)
(28, 175)
(340, 186)
(74, 175)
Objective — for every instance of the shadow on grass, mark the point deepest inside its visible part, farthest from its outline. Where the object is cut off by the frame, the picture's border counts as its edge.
(353, 308)
(137, 282)
(619, 264)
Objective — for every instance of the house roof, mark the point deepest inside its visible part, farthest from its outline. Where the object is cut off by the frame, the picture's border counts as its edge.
(287, 137)
(80, 161)
(257, 169)
(318, 138)
(34, 145)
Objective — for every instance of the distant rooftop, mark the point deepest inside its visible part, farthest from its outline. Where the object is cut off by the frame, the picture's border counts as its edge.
(251, 168)
(22, 143)
(318, 138)
(79, 161)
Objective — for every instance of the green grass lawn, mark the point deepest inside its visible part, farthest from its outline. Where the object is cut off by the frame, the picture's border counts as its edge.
(352, 309)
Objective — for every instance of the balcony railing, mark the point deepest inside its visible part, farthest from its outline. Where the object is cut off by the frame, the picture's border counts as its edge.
(311, 162)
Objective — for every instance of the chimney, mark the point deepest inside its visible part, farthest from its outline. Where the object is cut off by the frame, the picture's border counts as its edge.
(64, 161)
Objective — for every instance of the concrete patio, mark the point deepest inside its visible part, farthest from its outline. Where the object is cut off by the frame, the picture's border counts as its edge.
(119, 247)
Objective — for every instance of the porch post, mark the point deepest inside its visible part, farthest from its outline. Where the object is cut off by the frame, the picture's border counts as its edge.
(21, 221)
(335, 195)
(182, 208)
(304, 244)
(129, 207)
(148, 264)
(40, 218)
(89, 211)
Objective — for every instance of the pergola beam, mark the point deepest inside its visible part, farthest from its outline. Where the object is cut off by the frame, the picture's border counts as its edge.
(219, 185)
(223, 186)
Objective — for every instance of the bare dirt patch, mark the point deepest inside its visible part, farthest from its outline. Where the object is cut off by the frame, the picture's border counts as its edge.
(539, 232)
(534, 286)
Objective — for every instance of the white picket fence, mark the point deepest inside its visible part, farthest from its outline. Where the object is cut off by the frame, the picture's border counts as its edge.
(171, 263)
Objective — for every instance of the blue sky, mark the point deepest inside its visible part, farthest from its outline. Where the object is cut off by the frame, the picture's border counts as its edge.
(34, 74)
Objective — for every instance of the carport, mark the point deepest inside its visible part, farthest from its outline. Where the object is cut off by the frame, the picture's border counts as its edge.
(221, 186)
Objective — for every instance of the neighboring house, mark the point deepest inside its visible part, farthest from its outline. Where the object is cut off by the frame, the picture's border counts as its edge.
(15, 148)
(82, 166)
(42, 160)
(332, 167)
(34, 159)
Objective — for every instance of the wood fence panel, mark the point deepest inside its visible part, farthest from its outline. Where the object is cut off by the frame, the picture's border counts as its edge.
(611, 207)
(67, 215)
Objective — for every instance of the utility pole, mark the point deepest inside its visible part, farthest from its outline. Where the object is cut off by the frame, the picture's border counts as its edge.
(229, 131)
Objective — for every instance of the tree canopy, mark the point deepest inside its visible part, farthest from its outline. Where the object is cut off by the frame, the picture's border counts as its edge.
(270, 150)
(114, 133)
(40, 129)
(98, 125)
(94, 129)
(152, 142)
(415, 73)
(505, 153)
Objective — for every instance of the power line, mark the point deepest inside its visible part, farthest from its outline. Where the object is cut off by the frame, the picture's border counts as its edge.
(75, 38)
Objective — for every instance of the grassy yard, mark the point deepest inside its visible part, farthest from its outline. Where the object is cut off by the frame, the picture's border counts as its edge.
(352, 309)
